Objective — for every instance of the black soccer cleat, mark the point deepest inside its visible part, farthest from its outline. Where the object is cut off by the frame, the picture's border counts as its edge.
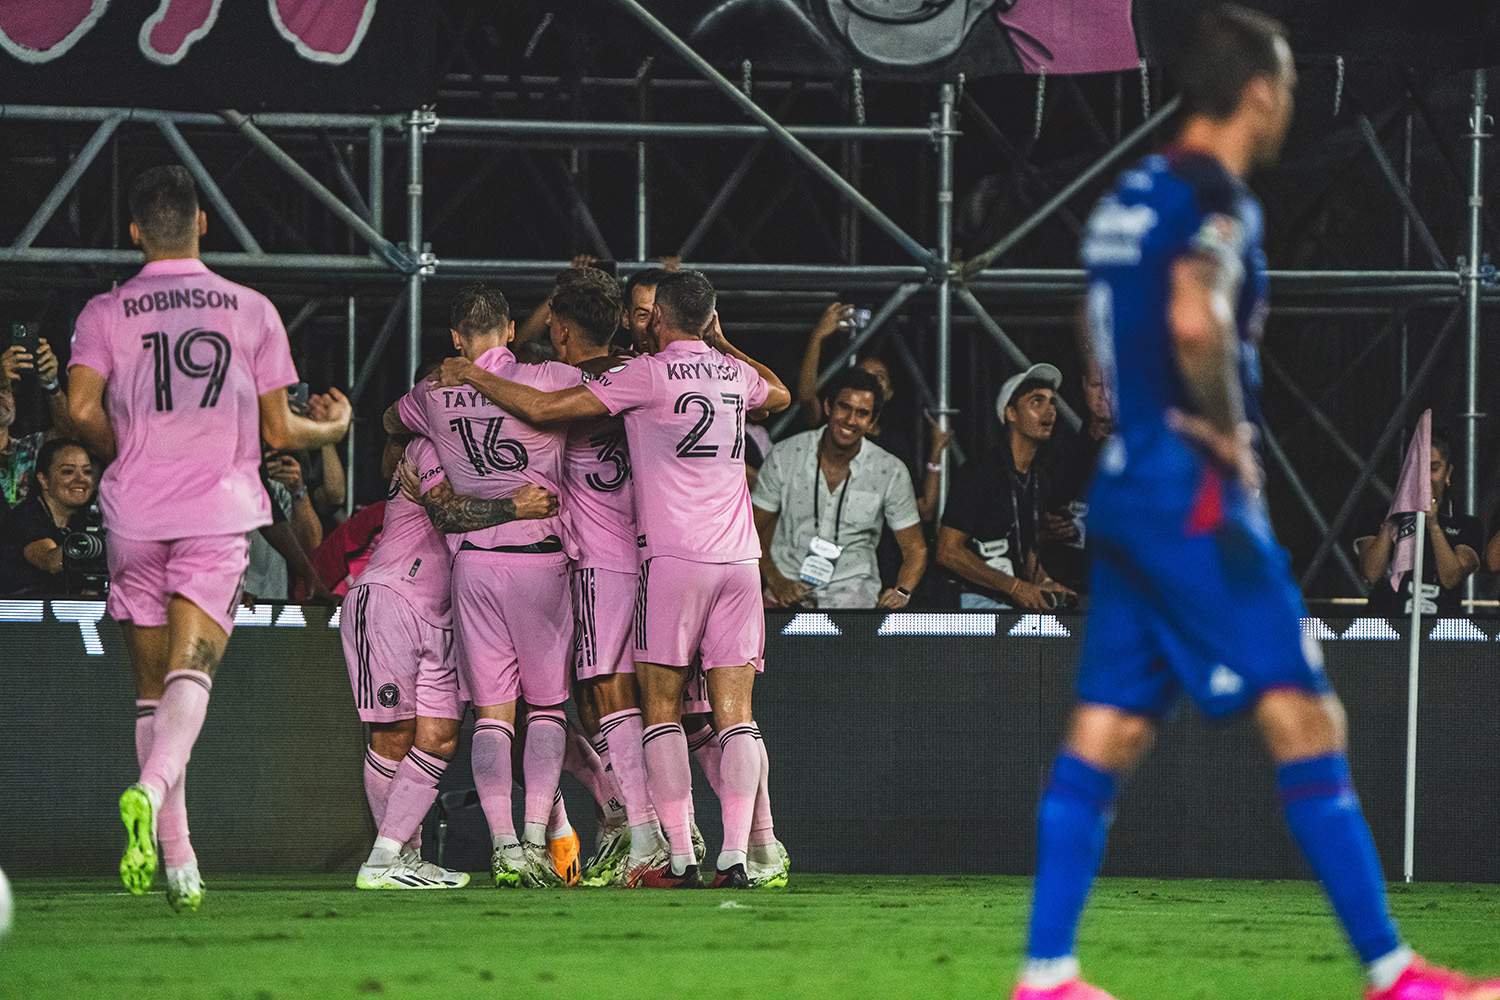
(733, 877)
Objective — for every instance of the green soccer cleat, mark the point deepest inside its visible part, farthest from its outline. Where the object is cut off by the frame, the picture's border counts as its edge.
(506, 864)
(614, 846)
(537, 870)
(769, 873)
(184, 887)
(138, 813)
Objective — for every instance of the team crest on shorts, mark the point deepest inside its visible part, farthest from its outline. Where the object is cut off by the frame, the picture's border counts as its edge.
(389, 695)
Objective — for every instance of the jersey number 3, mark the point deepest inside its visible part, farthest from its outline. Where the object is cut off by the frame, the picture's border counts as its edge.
(197, 354)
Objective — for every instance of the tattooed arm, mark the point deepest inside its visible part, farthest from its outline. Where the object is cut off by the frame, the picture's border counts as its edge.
(451, 511)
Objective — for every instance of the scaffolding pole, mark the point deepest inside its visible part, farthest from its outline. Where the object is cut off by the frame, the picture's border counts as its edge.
(1472, 276)
(945, 137)
(415, 134)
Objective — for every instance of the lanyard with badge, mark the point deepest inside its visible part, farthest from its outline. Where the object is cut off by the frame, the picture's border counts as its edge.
(823, 555)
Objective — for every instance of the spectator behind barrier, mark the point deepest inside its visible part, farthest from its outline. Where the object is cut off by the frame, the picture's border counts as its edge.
(988, 538)
(820, 503)
(1070, 467)
(18, 454)
(1450, 552)
(33, 537)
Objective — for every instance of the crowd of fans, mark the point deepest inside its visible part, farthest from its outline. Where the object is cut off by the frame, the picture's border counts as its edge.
(846, 507)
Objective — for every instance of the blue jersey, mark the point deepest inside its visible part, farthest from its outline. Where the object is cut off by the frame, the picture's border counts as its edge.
(1166, 207)
(1190, 590)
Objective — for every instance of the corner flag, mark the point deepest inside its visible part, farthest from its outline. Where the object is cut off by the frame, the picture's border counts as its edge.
(1413, 494)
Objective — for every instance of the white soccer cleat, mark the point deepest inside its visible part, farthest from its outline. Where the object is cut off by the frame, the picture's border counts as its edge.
(604, 866)
(184, 887)
(768, 872)
(427, 869)
(537, 870)
(400, 876)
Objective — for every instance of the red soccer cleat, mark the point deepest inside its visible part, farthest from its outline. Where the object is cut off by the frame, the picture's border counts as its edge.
(1421, 981)
(661, 877)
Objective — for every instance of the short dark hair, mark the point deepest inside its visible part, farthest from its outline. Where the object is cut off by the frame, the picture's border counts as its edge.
(1442, 443)
(478, 309)
(688, 299)
(591, 298)
(47, 454)
(852, 378)
(650, 277)
(164, 204)
(1231, 47)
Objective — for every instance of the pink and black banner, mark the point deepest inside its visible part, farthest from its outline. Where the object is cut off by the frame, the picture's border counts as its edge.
(271, 55)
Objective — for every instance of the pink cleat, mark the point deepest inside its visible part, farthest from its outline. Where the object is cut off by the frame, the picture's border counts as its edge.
(1421, 981)
(1073, 989)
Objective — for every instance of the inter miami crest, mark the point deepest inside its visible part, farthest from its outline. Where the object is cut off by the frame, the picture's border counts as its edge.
(389, 695)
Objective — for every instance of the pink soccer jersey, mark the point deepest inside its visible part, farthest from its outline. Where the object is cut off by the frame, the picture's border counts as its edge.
(684, 410)
(412, 558)
(185, 354)
(488, 453)
(599, 499)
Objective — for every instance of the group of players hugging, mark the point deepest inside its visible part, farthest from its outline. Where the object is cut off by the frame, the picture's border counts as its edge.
(575, 526)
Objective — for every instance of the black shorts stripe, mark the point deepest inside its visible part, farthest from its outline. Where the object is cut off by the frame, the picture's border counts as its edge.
(640, 604)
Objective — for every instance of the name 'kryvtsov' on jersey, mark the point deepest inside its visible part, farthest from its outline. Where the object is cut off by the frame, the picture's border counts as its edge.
(681, 370)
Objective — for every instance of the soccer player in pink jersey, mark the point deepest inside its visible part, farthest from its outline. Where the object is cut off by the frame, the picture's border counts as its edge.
(698, 589)
(196, 370)
(600, 511)
(511, 607)
(397, 633)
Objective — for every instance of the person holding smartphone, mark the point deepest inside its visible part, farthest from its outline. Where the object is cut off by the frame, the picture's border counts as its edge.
(27, 357)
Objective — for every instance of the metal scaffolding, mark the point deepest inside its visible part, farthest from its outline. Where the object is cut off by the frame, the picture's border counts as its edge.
(376, 265)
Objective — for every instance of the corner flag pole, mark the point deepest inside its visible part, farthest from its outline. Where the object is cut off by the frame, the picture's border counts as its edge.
(1413, 657)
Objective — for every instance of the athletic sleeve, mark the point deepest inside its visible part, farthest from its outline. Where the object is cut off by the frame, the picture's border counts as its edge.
(756, 387)
(411, 410)
(900, 498)
(626, 386)
(770, 483)
(423, 456)
(91, 341)
(273, 367)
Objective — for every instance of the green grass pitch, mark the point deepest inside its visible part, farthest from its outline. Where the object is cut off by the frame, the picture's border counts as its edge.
(260, 938)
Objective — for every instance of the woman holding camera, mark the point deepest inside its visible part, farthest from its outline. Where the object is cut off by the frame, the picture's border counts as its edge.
(32, 556)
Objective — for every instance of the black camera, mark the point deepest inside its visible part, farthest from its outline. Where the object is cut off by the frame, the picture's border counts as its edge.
(84, 562)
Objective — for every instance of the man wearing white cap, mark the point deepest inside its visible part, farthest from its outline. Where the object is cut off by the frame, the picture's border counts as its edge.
(988, 538)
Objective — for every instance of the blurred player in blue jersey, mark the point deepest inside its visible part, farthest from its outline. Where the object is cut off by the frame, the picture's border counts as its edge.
(1191, 591)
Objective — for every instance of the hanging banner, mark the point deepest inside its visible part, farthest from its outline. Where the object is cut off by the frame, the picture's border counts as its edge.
(935, 39)
(251, 55)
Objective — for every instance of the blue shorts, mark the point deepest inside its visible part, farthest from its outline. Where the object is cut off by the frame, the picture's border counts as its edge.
(1218, 616)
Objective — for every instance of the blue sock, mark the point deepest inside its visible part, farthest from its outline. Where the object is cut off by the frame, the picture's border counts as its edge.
(1075, 813)
(1323, 813)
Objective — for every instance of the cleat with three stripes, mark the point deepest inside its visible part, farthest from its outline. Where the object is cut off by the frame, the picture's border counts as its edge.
(401, 875)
